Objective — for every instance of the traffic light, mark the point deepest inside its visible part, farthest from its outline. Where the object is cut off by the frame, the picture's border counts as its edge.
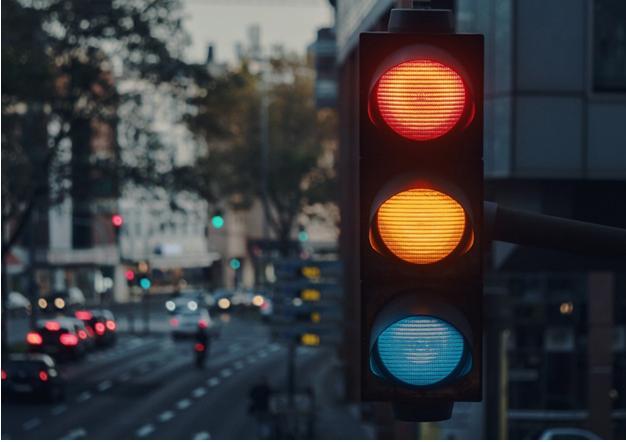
(421, 202)
(217, 220)
(117, 221)
(145, 283)
(130, 275)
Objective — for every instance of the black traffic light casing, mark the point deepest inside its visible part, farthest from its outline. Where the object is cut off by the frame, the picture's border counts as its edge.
(453, 164)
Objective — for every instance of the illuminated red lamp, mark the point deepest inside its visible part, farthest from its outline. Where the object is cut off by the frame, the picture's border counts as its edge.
(53, 326)
(174, 322)
(83, 315)
(4, 375)
(82, 334)
(100, 328)
(202, 323)
(199, 347)
(117, 220)
(111, 325)
(421, 99)
(68, 339)
(34, 338)
(43, 376)
(129, 274)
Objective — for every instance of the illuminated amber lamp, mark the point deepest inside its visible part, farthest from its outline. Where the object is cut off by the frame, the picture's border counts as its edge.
(421, 226)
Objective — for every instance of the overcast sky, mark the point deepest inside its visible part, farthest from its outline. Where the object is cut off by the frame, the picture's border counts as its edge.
(291, 23)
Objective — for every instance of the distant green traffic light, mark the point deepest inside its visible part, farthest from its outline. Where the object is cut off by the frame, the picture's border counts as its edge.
(235, 264)
(145, 283)
(217, 221)
(303, 236)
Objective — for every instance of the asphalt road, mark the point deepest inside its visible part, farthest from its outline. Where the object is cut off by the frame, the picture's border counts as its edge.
(146, 387)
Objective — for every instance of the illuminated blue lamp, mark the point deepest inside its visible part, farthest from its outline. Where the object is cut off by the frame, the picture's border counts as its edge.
(217, 221)
(145, 283)
(421, 351)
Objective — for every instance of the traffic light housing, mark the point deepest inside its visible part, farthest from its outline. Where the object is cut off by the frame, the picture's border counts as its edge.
(117, 221)
(421, 202)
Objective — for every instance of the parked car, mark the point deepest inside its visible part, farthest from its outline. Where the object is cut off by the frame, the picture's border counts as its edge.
(32, 374)
(59, 337)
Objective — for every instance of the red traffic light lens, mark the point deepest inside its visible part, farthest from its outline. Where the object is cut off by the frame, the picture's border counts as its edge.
(420, 225)
(421, 99)
(117, 220)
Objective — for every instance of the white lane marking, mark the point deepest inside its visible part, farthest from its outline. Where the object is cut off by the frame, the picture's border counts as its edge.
(203, 435)
(30, 424)
(84, 396)
(227, 372)
(183, 403)
(166, 416)
(105, 385)
(125, 377)
(145, 430)
(213, 382)
(198, 392)
(75, 434)
(59, 409)
(238, 365)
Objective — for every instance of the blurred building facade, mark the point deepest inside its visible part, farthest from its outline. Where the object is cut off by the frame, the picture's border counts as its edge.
(555, 102)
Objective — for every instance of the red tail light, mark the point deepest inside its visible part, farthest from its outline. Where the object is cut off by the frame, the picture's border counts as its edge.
(174, 322)
(68, 339)
(43, 376)
(90, 331)
(53, 326)
(199, 347)
(83, 315)
(100, 328)
(421, 99)
(34, 338)
(202, 323)
(4, 375)
(111, 325)
(82, 334)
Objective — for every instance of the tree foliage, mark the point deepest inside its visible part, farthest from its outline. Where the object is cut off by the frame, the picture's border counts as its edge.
(301, 143)
(63, 62)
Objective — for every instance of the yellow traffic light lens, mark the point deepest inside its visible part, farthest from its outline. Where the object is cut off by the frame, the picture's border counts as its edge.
(421, 226)
(421, 99)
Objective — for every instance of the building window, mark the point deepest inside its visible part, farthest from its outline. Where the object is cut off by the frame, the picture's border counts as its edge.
(609, 45)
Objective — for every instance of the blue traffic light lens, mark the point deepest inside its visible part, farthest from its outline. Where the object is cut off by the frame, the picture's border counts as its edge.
(217, 221)
(422, 351)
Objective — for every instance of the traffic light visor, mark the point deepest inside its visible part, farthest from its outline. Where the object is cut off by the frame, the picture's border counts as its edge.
(421, 99)
(421, 351)
(420, 225)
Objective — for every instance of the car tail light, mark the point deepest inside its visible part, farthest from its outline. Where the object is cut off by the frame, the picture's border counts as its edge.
(90, 331)
(34, 338)
(174, 322)
(82, 334)
(100, 328)
(53, 326)
(421, 99)
(199, 347)
(4, 375)
(68, 339)
(202, 323)
(43, 376)
(83, 315)
(111, 325)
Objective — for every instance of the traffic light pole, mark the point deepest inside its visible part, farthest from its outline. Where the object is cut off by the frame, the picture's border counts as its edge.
(545, 231)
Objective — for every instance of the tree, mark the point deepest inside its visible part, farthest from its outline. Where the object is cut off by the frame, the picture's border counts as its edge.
(301, 143)
(69, 67)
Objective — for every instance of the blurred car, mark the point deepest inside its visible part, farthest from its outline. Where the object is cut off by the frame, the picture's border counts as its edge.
(266, 308)
(32, 374)
(186, 300)
(185, 323)
(100, 323)
(59, 337)
(61, 301)
(566, 433)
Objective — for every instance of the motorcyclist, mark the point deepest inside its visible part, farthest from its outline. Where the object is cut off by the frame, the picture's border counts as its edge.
(201, 345)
